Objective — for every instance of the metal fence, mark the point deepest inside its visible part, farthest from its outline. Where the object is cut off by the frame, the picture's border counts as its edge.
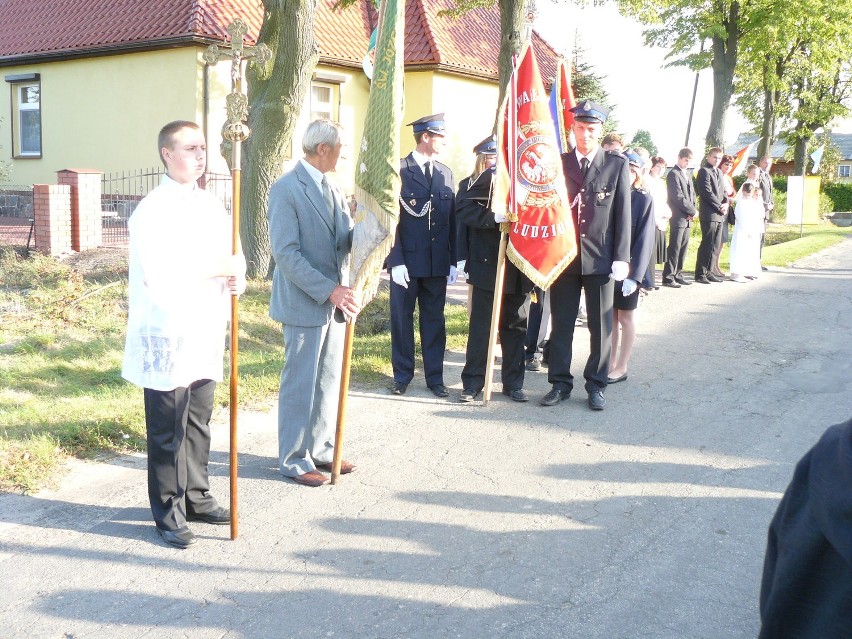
(16, 215)
(121, 193)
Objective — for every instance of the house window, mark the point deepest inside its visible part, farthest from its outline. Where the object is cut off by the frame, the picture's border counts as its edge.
(26, 115)
(844, 170)
(323, 104)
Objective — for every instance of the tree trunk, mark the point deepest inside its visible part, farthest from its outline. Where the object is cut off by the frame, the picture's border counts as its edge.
(800, 156)
(770, 101)
(512, 13)
(276, 95)
(724, 63)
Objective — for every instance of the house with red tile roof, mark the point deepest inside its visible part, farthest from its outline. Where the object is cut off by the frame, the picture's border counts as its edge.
(92, 81)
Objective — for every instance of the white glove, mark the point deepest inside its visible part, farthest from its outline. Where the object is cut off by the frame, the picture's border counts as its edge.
(461, 264)
(500, 217)
(620, 270)
(399, 275)
(453, 276)
(628, 287)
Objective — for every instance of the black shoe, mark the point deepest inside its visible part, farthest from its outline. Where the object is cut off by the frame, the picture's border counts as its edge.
(399, 388)
(714, 278)
(533, 364)
(219, 516)
(468, 395)
(555, 396)
(682, 281)
(180, 538)
(516, 394)
(596, 400)
(702, 280)
(763, 268)
(439, 390)
(671, 284)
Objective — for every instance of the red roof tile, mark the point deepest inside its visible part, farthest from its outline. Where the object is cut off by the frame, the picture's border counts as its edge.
(468, 45)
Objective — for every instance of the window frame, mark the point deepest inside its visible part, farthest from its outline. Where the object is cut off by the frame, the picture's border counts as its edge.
(18, 84)
(844, 170)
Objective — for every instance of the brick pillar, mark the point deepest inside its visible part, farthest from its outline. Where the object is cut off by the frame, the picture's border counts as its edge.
(52, 213)
(86, 225)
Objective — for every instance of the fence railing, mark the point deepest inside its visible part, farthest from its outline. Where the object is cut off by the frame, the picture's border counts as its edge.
(121, 193)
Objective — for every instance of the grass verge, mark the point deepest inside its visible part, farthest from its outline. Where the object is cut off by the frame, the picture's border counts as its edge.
(61, 345)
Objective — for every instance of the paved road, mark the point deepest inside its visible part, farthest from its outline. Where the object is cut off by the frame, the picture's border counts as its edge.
(511, 521)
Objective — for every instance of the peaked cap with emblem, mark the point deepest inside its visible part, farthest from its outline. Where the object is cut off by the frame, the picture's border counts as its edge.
(431, 123)
(587, 111)
(487, 147)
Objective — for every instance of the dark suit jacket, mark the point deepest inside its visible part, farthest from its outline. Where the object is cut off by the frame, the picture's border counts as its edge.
(479, 238)
(427, 244)
(642, 236)
(711, 194)
(603, 223)
(681, 197)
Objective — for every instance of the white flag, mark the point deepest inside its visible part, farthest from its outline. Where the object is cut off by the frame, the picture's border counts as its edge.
(816, 156)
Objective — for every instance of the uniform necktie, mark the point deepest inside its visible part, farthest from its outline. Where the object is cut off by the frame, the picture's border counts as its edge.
(427, 171)
(584, 166)
(326, 194)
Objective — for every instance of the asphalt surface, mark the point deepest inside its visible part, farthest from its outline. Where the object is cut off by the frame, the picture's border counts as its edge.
(513, 520)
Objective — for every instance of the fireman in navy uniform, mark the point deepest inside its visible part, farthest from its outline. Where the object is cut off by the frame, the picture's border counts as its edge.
(479, 244)
(423, 258)
(599, 192)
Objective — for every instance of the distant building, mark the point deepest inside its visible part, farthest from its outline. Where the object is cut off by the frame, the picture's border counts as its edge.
(92, 81)
(842, 141)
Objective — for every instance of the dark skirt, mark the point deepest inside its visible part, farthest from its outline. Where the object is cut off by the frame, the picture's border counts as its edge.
(660, 247)
(623, 303)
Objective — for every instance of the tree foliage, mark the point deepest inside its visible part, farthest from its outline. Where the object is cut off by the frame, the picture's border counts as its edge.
(643, 139)
(794, 78)
(683, 26)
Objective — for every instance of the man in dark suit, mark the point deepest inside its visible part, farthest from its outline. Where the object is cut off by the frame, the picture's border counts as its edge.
(599, 192)
(681, 200)
(423, 258)
(479, 244)
(310, 232)
(712, 214)
(767, 192)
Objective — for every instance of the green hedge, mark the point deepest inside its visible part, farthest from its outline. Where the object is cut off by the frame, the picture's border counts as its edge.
(840, 194)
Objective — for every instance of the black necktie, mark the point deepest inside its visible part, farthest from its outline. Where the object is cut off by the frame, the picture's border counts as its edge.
(427, 171)
(584, 166)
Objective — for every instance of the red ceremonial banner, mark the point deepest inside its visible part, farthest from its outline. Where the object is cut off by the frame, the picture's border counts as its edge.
(561, 102)
(530, 186)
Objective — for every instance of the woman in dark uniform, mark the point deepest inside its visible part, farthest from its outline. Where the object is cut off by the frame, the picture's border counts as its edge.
(626, 296)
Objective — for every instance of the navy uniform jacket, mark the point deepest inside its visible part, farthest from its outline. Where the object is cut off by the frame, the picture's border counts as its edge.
(426, 245)
(711, 194)
(806, 592)
(680, 197)
(603, 226)
(479, 238)
(642, 235)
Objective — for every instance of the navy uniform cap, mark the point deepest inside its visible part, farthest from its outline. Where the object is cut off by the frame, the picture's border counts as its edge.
(487, 147)
(635, 160)
(587, 111)
(432, 123)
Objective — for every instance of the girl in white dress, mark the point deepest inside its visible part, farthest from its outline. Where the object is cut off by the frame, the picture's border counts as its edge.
(745, 245)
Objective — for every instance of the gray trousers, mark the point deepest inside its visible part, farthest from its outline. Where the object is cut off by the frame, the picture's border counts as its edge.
(308, 396)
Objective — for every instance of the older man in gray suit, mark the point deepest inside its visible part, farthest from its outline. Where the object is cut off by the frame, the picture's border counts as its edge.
(311, 236)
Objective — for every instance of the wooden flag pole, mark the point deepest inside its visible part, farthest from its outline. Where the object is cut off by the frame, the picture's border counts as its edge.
(236, 132)
(495, 314)
(342, 400)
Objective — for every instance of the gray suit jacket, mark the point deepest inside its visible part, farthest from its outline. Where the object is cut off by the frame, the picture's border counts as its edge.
(311, 250)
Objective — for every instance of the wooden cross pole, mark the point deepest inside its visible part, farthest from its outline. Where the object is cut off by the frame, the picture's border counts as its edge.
(236, 131)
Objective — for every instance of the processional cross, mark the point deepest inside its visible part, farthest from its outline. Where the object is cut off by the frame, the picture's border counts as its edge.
(236, 131)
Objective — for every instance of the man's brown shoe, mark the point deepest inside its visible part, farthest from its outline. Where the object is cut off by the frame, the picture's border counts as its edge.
(345, 467)
(313, 478)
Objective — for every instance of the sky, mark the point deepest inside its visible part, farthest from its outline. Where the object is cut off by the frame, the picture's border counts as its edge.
(645, 94)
